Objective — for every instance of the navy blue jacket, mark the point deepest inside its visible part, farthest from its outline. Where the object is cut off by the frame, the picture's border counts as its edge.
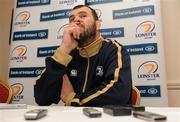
(100, 74)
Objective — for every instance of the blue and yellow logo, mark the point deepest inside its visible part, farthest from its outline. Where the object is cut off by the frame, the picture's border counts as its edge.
(18, 88)
(146, 29)
(19, 53)
(148, 70)
(22, 19)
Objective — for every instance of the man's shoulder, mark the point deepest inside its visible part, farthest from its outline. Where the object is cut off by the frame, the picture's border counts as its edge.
(109, 43)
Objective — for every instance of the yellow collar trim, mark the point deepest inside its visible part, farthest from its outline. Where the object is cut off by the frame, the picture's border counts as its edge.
(91, 49)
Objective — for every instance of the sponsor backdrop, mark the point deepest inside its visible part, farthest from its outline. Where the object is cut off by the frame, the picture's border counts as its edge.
(37, 32)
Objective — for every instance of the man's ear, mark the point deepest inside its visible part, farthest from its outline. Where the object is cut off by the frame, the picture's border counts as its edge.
(98, 25)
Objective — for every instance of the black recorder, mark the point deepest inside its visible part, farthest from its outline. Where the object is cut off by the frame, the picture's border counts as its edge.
(124, 110)
(117, 110)
(91, 112)
(137, 108)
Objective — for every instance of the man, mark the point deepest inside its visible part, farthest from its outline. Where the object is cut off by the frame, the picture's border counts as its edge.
(86, 70)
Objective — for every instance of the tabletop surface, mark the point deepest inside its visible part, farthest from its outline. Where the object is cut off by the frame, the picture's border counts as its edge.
(69, 114)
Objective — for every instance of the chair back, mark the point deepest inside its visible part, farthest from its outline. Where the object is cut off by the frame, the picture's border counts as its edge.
(135, 96)
(6, 93)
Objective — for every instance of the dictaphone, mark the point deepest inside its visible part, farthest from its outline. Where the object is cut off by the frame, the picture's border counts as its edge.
(149, 116)
(35, 114)
(91, 112)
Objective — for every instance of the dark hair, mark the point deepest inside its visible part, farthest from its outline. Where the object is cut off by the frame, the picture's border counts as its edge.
(92, 10)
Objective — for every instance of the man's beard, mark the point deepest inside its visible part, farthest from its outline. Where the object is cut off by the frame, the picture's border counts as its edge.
(87, 36)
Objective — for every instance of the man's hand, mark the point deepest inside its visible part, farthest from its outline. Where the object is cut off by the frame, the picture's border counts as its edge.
(67, 88)
(70, 35)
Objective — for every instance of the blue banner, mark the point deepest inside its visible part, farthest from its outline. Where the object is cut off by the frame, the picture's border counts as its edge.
(46, 51)
(150, 91)
(25, 72)
(53, 15)
(27, 3)
(30, 35)
(92, 2)
(139, 49)
(133, 12)
(112, 32)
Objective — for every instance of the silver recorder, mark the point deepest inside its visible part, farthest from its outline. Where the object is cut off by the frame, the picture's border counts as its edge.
(35, 114)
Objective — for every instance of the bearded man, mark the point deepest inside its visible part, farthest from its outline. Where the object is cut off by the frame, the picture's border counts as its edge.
(87, 69)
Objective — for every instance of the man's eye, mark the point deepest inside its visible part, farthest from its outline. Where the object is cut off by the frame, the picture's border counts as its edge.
(82, 15)
(70, 20)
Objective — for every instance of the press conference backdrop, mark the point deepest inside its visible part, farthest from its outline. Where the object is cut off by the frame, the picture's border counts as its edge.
(37, 32)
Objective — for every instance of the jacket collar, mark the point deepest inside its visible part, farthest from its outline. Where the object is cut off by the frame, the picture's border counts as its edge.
(91, 49)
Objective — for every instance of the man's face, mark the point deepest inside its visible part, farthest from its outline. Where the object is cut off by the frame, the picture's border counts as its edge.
(87, 25)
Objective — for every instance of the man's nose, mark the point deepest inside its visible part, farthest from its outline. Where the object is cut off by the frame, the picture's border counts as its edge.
(77, 19)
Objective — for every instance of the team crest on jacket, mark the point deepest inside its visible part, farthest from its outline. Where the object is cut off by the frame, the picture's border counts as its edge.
(99, 71)
(73, 72)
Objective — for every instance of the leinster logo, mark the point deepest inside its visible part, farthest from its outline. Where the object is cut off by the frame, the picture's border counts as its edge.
(19, 53)
(99, 71)
(22, 19)
(146, 30)
(73, 72)
(148, 70)
(18, 88)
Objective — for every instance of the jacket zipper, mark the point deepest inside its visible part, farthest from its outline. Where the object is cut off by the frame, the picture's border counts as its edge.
(86, 78)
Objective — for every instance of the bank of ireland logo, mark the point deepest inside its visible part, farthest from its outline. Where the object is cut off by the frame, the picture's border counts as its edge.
(67, 13)
(18, 89)
(152, 91)
(60, 32)
(146, 30)
(19, 53)
(148, 70)
(22, 19)
(38, 72)
(42, 34)
(117, 32)
(150, 48)
(147, 10)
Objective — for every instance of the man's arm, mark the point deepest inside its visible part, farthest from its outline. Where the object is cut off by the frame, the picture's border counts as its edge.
(48, 87)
